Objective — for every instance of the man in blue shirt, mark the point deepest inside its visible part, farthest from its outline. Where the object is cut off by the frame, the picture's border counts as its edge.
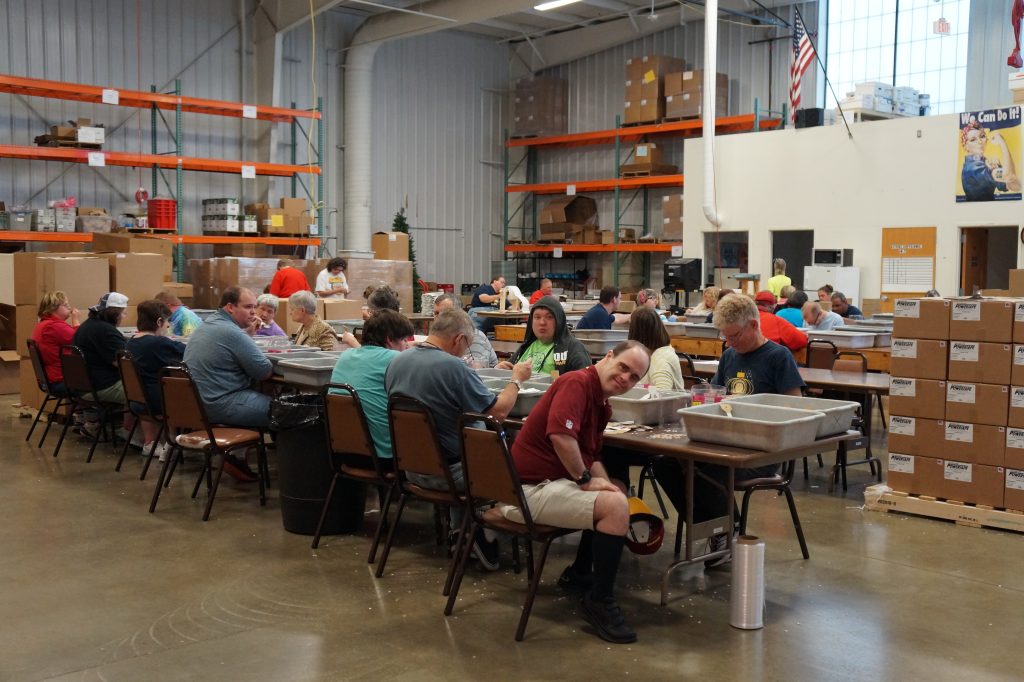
(484, 298)
(843, 308)
(603, 315)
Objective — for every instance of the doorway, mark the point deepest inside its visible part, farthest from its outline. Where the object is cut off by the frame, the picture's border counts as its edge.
(794, 247)
(987, 254)
(726, 254)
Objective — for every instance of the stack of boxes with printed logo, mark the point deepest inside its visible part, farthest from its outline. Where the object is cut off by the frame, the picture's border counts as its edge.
(956, 400)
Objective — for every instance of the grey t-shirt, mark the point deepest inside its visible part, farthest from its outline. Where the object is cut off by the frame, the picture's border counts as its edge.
(445, 385)
(223, 358)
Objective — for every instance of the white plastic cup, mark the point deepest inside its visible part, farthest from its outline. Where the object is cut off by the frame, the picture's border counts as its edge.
(700, 394)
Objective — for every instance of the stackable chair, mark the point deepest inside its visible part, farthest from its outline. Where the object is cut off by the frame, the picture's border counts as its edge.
(82, 395)
(61, 397)
(135, 394)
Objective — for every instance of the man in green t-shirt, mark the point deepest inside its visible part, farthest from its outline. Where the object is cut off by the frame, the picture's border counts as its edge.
(549, 346)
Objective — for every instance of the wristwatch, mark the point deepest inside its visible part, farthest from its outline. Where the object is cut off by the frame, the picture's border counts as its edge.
(517, 383)
(584, 478)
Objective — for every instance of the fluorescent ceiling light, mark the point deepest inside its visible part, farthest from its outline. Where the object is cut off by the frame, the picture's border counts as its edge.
(553, 4)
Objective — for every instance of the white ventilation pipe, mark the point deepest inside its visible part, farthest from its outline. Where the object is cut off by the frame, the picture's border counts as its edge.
(358, 145)
(710, 68)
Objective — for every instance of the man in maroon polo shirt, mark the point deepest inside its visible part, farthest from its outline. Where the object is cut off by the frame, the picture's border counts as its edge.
(558, 455)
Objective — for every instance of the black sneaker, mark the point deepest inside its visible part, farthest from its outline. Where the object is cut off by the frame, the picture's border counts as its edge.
(574, 582)
(718, 543)
(606, 617)
(485, 552)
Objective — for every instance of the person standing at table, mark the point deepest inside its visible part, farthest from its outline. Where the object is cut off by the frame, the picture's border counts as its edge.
(481, 354)
(751, 364)
(549, 346)
(546, 287)
(331, 282)
(603, 315)
(183, 321)
(558, 457)
(484, 298)
(287, 280)
(779, 278)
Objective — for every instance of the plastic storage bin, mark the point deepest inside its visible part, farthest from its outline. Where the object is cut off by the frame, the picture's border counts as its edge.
(839, 414)
(844, 339)
(753, 427)
(527, 399)
(701, 331)
(635, 405)
(313, 372)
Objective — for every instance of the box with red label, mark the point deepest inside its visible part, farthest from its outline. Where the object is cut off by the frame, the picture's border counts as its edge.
(925, 398)
(975, 483)
(916, 436)
(918, 358)
(921, 318)
(981, 320)
(979, 361)
(977, 403)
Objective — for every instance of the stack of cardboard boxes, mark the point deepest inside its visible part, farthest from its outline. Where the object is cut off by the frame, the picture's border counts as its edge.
(292, 219)
(672, 218)
(647, 160)
(684, 94)
(956, 400)
(645, 87)
(540, 106)
(570, 219)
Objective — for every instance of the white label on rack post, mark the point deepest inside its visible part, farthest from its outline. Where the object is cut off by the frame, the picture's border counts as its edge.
(570, 190)
(677, 252)
(248, 111)
(97, 159)
(557, 252)
(111, 96)
(248, 172)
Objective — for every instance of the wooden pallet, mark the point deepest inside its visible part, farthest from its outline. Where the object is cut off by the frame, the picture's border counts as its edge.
(629, 171)
(678, 119)
(974, 515)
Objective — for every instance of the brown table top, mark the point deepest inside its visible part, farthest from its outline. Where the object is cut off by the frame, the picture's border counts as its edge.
(872, 382)
(504, 314)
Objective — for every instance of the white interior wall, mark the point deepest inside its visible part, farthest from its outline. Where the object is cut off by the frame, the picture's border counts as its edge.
(845, 190)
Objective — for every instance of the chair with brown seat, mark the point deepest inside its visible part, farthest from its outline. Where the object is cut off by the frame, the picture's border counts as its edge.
(780, 483)
(820, 354)
(135, 395)
(491, 477)
(49, 393)
(82, 395)
(186, 427)
(348, 434)
(417, 450)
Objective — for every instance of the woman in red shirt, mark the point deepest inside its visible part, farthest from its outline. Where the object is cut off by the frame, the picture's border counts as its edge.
(56, 327)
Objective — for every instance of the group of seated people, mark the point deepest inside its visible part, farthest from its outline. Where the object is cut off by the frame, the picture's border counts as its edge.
(569, 478)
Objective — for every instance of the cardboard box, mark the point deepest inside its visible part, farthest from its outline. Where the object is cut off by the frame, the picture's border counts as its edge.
(924, 398)
(242, 250)
(692, 80)
(625, 233)
(25, 320)
(26, 279)
(1017, 283)
(139, 276)
(981, 320)
(293, 206)
(540, 106)
(928, 476)
(121, 243)
(918, 358)
(1015, 415)
(921, 318)
(1013, 492)
(900, 472)
(646, 110)
(566, 215)
(1017, 365)
(974, 483)
(183, 290)
(652, 68)
(977, 403)
(342, 309)
(28, 389)
(390, 246)
(1018, 319)
(7, 279)
(978, 361)
(915, 436)
(10, 372)
(84, 279)
(975, 443)
(690, 104)
(1013, 455)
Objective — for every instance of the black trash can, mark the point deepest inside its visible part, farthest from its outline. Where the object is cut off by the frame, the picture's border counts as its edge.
(304, 471)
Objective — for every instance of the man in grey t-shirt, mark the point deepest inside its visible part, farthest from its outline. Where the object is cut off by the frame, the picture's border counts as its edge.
(225, 361)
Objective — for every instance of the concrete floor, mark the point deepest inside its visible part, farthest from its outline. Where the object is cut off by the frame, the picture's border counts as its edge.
(95, 588)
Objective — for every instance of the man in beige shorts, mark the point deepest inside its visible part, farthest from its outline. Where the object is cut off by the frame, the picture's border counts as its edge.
(558, 455)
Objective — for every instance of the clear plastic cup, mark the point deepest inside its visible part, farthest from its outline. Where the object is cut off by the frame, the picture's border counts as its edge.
(700, 394)
(718, 393)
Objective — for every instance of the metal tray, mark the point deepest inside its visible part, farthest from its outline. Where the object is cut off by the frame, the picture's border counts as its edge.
(276, 358)
(844, 339)
(601, 334)
(524, 401)
(701, 331)
(874, 323)
(315, 372)
(839, 414)
(753, 427)
(599, 346)
(883, 336)
(505, 375)
(635, 406)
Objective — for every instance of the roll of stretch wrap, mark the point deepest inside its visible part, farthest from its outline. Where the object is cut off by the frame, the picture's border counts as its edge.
(747, 602)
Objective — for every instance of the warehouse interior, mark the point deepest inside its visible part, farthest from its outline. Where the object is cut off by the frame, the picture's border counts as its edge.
(388, 116)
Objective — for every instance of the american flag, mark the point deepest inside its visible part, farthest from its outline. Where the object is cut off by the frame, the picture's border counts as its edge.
(803, 55)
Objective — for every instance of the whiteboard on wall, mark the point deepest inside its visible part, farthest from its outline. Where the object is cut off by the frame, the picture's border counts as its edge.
(907, 275)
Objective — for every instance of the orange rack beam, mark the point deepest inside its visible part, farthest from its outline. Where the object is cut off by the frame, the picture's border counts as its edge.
(689, 128)
(75, 155)
(590, 248)
(600, 185)
(37, 87)
(22, 236)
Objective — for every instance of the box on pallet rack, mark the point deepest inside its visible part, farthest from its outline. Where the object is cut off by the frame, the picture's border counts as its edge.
(981, 320)
(925, 398)
(221, 206)
(977, 403)
(918, 358)
(979, 361)
(921, 318)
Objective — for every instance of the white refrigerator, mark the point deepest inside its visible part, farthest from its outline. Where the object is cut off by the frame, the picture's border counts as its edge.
(844, 279)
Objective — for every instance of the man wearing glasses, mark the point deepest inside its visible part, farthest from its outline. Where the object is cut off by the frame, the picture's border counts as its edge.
(434, 373)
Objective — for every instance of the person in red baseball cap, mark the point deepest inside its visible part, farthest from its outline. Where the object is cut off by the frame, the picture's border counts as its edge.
(774, 327)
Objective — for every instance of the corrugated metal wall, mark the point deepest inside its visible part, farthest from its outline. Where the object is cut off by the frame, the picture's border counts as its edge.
(438, 125)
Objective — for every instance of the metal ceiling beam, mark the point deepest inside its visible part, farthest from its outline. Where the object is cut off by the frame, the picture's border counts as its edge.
(289, 14)
(395, 25)
(557, 16)
(612, 5)
(517, 29)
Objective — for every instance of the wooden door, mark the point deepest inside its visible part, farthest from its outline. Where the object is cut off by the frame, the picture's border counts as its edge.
(973, 259)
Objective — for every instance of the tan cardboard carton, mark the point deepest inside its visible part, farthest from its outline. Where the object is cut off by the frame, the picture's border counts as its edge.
(1013, 455)
(293, 206)
(925, 398)
(1018, 319)
(25, 322)
(1017, 367)
(974, 483)
(183, 290)
(928, 476)
(977, 403)
(981, 320)
(26, 277)
(390, 246)
(1013, 492)
(139, 276)
(921, 318)
(335, 309)
(9, 372)
(900, 473)
(918, 358)
(974, 443)
(979, 361)
(1017, 283)
(120, 243)
(1015, 415)
(915, 436)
